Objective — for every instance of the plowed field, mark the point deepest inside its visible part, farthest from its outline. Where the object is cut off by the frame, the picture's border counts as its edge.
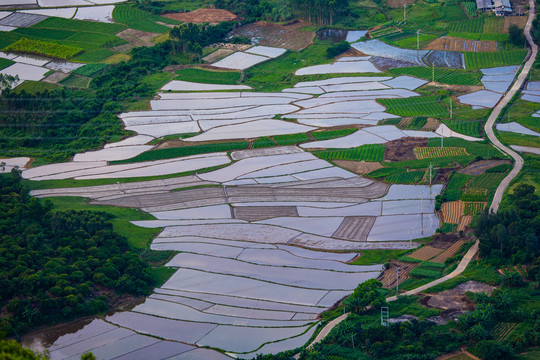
(425, 253)
(452, 211)
(448, 43)
(212, 16)
(448, 253)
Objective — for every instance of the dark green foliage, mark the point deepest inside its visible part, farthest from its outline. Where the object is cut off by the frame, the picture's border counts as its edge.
(370, 152)
(417, 123)
(512, 235)
(250, 11)
(11, 349)
(491, 349)
(447, 227)
(416, 106)
(4, 63)
(410, 177)
(189, 38)
(427, 273)
(503, 168)
(516, 35)
(184, 151)
(337, 49)
(55, 265)
(90, 69)
(206, 76)
(380, 173)
(321, 12)
(366, 294)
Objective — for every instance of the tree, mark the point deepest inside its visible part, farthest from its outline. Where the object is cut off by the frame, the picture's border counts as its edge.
(516, 35)
(366, 294)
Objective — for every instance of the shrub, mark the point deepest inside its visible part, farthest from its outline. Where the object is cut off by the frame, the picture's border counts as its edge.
(337, 49)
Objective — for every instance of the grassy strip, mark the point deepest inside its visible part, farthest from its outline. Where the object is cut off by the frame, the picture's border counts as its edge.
(411, 177)
(137, 19)
(291, 139)
(170, 153)
(470, 128)
(90, 69)
(208, 76)
(4, 63)
(442, 75)
(369, 257)
(425, 273)
(370, 152)
(416, 106)
(79, 26)
(331, 134)
(44, 48)
(479, 60)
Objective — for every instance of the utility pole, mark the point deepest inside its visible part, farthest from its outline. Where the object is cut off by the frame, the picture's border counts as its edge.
(404, 13)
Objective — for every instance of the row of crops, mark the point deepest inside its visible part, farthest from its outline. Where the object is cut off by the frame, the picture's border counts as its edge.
(466, 127)
(436, 152)
(491, 25)
(138, 19)
(370, 152)
(479, 60)
(44, 48)
(416, 106)
(442, 75)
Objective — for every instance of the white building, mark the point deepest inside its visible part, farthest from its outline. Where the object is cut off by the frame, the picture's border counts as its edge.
(500, 7)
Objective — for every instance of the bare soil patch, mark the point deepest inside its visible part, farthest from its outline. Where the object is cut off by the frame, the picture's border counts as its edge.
(208, 15)
(388, 276)
(447, 43)
(480, 167)
(403, 149)
(448, 253)
(137, 38)
(425, 253)
(455, 299)
(452, 211)
(352, 52)
(443, 241)
(217, 55)
(398, 3)
(56, 77)
(288, 36)
(358, 167)
(384, 64)
(442, 176)
(464, 222)
(431, 125)
(457, 89)
(520, 21)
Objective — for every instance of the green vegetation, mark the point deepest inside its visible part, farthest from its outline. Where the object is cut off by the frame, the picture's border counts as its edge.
(410, 177)
(425, 273)
(386, 171)
(90, 69)
(76, 82)
(79, 26)
(368, 257)
(208, 76)
(470, 8)
(43, 48)
(411, 42)
(34, 87)
(473, 208)
(184, 151)
(371, 152)
(291, 139)
(517, 139)
(331, 134)
(94, 55)
(415, 106)
(466, 127)
(442, 75)
(4, 63)
(479, 60)
(467, 26)
(366, 294)
(472, 147)
(137, 19)
(57, 265)
(438, 152)
(337, 49)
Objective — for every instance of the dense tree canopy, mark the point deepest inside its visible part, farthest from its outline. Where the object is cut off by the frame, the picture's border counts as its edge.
(57, 265)
(319, 11)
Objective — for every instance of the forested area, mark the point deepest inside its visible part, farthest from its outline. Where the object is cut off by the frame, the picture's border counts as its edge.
(511, 236)
(58, 265)
(322, 12)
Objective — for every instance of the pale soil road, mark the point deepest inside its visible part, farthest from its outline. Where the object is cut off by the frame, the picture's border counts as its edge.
(502, 186)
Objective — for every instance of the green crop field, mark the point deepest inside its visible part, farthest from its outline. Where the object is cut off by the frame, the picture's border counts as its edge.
(415, 106)
(467, 26)
(185, 151)
(90, 69)
(472, 147)
(494, 25)
(479, 60)
(425, 273)
(137, 19)
(45, 34)
(437, 152)
(474, 208)
(94, 55)
(263, 142)
(207, 76)
(479, 36)
(410, 177)
(447, 227)
(466, 127)
(411, 42)
(76, 82)
(385, 171)
(4, 63)
(442, 75)
(291, 139)
(417, 123)
(44, 48)
(79, 26)
(453, 13)
(473, 194)
(470, 8)
(331, 134)
(371, 152)
(488, 180)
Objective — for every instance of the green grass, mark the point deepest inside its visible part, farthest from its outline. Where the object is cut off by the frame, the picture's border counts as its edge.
(385, 171)
(411, 177)
(184, 151)
(76, 81)
(94, 55)
(411, 42)
(79, 26)
(425, 273)
(467, 26)
(208, 76)
(517, 139)
(470, 8)
(447, 227)
(371, 152)
(331, 134)
(137, 19)
(415, 106)
(487, 180)
(161, 274)
(417, 123)
(368, 257)
(479, 60)
(470, 128)
(529, 174)
(90, 69)
(291, 139)
(410, 305)
(472, 147)
(454, 188)
(263, 142)
(436, 162)
(4, 63)
(33, 87)
(8, 38)
(44, 48)
(442, 75)
(479, 36)
(138, 237)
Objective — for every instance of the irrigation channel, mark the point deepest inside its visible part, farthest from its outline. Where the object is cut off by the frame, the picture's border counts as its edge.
(518, 164)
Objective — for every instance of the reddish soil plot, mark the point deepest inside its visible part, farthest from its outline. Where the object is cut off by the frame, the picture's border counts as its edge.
(288, 36)
(137, 38)
(520, 21)
(447, 43)
(448, 253)
(426, 253)
(480, 167)
(403, 149)
(212, 16)
(464, 222)
(358, 167)
(452, 211)
(388, 276)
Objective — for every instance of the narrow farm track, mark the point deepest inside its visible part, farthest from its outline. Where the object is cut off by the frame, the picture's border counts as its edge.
(502, 186)
(500, 106)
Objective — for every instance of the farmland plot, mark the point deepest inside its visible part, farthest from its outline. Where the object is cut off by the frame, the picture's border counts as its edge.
(447, 43)
(436, 152)
(452, 211)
